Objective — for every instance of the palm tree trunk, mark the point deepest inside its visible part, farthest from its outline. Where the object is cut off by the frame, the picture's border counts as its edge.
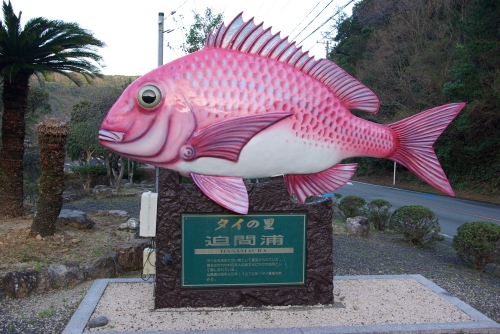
(15, 95)
(52, 138)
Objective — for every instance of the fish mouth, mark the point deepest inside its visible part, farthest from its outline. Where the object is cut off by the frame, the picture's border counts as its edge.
(113, 136)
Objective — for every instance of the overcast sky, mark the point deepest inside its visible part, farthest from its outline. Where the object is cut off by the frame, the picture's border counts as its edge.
(130, 28)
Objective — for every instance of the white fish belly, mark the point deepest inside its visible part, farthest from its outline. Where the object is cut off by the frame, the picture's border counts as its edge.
(274, 151)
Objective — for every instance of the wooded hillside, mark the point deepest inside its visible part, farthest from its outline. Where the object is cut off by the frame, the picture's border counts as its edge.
(419, 54)
(64, 94)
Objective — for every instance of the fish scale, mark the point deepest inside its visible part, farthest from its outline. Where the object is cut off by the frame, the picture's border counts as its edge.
(250, 105)
(316, 118)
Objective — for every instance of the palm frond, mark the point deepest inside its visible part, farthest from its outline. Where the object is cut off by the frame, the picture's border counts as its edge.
(46, 45)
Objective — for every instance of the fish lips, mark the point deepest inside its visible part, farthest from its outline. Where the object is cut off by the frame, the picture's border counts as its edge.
(112, 136)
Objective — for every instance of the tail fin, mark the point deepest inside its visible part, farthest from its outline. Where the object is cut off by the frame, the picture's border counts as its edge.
(416, 136)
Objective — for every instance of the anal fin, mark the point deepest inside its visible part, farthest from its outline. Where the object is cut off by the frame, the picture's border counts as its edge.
(306, 185)
(229, 192)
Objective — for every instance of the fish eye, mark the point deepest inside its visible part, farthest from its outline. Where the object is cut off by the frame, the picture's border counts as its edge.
(149, 96)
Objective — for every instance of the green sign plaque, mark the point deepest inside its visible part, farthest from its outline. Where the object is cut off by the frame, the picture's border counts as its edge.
(229, 250)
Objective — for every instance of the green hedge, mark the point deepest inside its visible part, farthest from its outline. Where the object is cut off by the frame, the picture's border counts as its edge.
(478, 243)
(352, 206)
(418, 224)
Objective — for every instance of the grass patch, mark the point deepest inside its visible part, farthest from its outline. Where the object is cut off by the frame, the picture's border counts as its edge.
(47, 313)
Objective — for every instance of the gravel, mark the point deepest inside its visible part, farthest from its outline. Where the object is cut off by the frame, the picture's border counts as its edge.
(45, 314)
(364, 302)
(386, 254)
(381, 253)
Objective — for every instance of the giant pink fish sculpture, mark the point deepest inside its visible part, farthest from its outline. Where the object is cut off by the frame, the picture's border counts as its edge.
(253, 105)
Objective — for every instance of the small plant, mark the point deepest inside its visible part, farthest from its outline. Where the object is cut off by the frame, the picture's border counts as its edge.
(27, 252)
(47, 313)
(38, 266)
(97, 252)
(417, 224)
(352, 206)
(313, 199)
(64, 299)
(478, 243)
(379, 214)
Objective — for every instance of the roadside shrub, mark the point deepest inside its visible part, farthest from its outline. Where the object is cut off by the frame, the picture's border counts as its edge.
(379, 214)
(417, 224)
(478, 243)
(351, 206)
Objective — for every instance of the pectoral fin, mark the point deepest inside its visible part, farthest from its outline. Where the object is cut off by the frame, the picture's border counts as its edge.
(229, 192)
(227, 138)
(305, 185)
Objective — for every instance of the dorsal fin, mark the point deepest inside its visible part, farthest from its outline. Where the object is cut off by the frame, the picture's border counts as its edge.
(248, 37)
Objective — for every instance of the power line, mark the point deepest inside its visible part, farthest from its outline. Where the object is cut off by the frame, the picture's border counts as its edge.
(312, 20)
(305, 17)
(283, 8)
(331, 17)
(264, 17)
(258, 10)
(180, 6)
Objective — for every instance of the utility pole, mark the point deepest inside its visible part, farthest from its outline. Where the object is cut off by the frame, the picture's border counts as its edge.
(161, 18)
(327, 44)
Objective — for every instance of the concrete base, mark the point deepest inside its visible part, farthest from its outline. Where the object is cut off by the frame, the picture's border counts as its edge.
(481, 323)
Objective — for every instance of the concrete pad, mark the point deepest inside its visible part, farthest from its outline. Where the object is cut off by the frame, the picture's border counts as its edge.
(473, 319)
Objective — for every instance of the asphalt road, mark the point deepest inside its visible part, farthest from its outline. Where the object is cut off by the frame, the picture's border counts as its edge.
(452, 212)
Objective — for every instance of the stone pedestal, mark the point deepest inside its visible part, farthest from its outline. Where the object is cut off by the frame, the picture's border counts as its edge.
(176, 198)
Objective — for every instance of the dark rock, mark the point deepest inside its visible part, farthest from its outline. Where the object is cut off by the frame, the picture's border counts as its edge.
(104, 267)
(123, 226)
(66, 275)
(102, 191)
(128, 185)
(98, 322)
(43, 284)
(130, 254)
(120, 213)
(19, 284)
(75, 218)
(143, 183)
(359, 226)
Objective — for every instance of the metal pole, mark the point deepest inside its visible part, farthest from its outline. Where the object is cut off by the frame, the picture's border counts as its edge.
(160, 62)
(160, 38)
(394, 178)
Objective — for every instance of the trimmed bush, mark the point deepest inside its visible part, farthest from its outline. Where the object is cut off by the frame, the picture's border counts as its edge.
(417, 224)
(379, 214)
(478, 243)
(352, 206)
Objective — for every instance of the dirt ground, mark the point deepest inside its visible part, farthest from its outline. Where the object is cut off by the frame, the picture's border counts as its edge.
(19, 251)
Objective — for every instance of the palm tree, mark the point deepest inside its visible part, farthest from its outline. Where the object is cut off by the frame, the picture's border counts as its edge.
(43, 46)
(52, 137)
